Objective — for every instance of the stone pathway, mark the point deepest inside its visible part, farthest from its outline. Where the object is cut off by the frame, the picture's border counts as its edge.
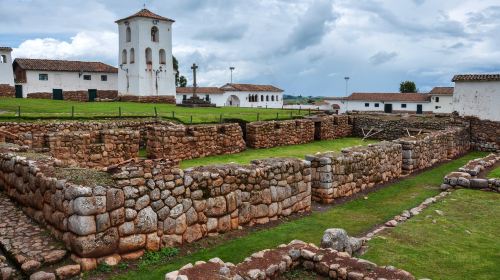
(24, 242)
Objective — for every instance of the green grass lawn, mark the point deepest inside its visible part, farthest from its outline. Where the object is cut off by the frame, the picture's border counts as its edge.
(357, 217)
(297, 151)
(45, 108)
(461, 244)
(495, 173)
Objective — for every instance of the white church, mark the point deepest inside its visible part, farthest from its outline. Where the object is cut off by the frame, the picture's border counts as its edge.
(144, 74)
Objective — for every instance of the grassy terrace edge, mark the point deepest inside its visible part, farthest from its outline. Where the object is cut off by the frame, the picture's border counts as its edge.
(356, 216)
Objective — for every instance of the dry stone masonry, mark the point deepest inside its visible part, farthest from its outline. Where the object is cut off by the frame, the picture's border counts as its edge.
(279, 133)
(468, 176)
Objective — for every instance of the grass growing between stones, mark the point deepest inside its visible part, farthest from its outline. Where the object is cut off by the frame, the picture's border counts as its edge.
(461, 244)
(46, 108)
(357, 217)
(296, 151)
(495, 173)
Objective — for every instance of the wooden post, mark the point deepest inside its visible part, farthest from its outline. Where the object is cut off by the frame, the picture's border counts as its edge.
(220, 118)
(258, 116)
(120, 111)
(173, 114)
(191, 119)
(19, 111)
(156, 113)
(72, 111)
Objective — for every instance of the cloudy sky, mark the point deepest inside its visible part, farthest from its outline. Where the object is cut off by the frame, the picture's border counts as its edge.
(303, 46)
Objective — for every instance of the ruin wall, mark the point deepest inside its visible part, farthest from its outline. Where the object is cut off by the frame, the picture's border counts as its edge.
(180, 142)
(279, 133)
(485, 135)
(7, 90)
(333, 127)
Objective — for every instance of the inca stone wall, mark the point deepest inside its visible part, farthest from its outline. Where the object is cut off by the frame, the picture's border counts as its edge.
(179, 142)
(333, 127)
(151, 205)
(393, 127)
(485, 135)
(426, 150)
(94, 148)
(355, 169)
(7, 90)
(279, 133)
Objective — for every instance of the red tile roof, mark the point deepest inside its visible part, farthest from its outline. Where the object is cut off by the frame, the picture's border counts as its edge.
(250, 87)
(407, 97)
(145, 13)
(5, 49)
(476, 77)
(63, 65)
(200, 90)
(442, 90)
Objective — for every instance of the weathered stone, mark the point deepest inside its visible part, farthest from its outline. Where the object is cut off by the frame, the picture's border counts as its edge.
(146, 221)
(82, 225)
(42, 275)
(132, 243)
(68, 271)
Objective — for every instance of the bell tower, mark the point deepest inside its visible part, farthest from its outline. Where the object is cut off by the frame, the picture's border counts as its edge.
(145, 55)
(6, 72)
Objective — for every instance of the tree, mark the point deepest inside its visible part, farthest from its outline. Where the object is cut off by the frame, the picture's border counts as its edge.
(407, 86)
(179, 80)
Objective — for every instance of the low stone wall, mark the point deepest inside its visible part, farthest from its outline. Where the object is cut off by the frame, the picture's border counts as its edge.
(333, 127)
(468, 175)
(485, 135)
(426, 150)
(272, 264)
(148, 99)
(355, 169)
(179, 142)
(7, 90)
(279, 133)
(152, 205)
(394, 127)
(95, 148)
(80, 95)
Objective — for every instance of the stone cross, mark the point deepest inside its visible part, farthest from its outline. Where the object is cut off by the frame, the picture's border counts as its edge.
(194, 67)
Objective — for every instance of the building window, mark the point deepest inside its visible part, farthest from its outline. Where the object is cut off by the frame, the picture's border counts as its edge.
(128, 34)
(149, 58)
(437, 107)
(124, 57)
(43, 77)
(87, 77)
(104, 78)
(377, 105)
(207, 97)
(403, 105)
(262, 98)
(272, 97)
(367, 104)
(154, 34)
(267, 97)
(277, 99)
(437, 99)
(3, 58)
(163, 57)
(132, 55)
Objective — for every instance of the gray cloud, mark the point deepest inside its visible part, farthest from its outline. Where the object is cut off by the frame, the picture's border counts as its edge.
(382, 57)
(223, 33)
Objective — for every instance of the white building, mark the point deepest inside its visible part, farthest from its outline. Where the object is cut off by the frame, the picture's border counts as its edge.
(145, 58)
(441, 100)
(477, 95)
(237, 95)
(62, 79)
(6, 73)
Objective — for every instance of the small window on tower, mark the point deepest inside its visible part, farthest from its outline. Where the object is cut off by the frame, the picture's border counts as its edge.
(154, 34)
(132, 55)
(149, 58)
(207, 97)
(87, 77)
(163, 57)
(3, 59)
(128, 35)
(437, 99)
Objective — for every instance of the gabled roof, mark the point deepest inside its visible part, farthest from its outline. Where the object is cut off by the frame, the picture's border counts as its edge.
(442, 90)
(9, 49)
(63, 65)
(250, 87)
(145, 13)
(200, 90)
(383, 97)
(476, 77)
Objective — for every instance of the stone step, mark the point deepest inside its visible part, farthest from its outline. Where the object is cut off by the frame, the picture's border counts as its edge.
(27, 244)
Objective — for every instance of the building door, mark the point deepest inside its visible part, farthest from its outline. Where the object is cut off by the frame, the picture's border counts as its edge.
(57, 94)
(92, 95)
(19, 91)
(388, 108)
(419, 109)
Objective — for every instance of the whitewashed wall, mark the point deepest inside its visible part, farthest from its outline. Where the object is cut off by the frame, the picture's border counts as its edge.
(445, 104)
(67, 81)
(141, 80)
(221, 100)
(411, 107)
(6, 72)
(479, 99)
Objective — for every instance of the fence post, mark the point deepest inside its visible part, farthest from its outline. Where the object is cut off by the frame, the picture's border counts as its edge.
(299, 109)
(309, 111)
(258, 116)
(191, 119)
(120, 111)
(72, 112)
(277, 116)
(173, 114)
(220, 118)
(291, 114)
(156, 113)
(19, 111)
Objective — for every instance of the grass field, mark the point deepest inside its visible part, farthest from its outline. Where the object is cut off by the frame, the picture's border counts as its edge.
(44, 108)
(357, 217)
(461, 244)
(296, 151)
(495, 173)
